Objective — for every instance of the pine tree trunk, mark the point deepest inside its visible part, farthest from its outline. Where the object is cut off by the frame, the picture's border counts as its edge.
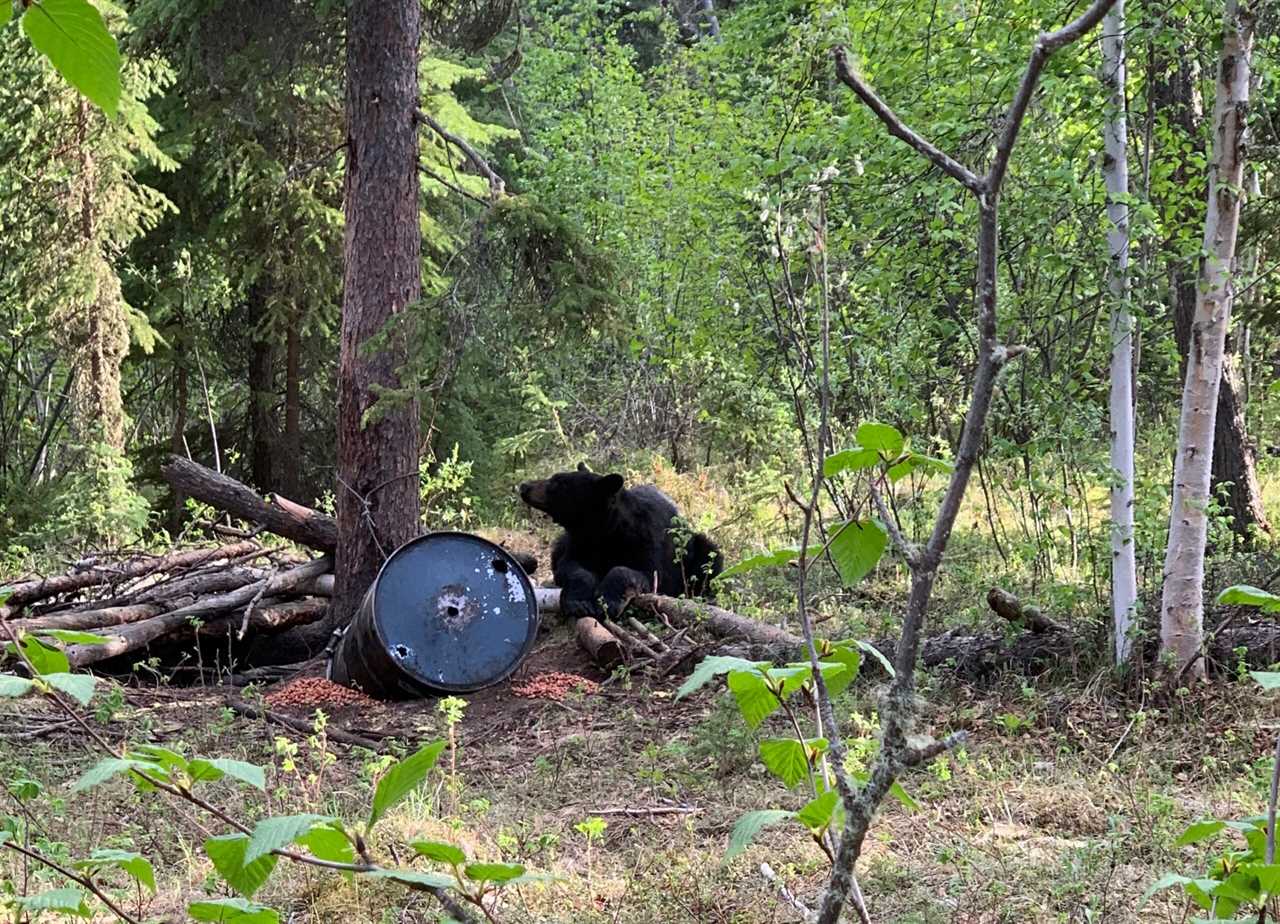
(377, 490)
(98, 330)
(1182, 607)
(1115, 168)
(177, 439)
(291, 461)
(262, 398)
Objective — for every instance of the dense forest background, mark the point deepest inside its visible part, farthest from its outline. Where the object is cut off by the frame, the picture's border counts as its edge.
(172, 278)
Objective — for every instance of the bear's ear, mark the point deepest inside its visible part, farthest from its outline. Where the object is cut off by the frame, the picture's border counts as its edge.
(582, 467)
(610, 485)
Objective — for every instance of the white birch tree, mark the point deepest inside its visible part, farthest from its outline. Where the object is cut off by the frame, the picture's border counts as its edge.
(1182, 603)
(1115, 171)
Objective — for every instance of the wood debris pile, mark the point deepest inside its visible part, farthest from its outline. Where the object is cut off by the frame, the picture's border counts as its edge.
(134, 600)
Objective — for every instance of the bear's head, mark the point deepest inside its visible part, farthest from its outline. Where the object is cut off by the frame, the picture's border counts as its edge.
(572, 499)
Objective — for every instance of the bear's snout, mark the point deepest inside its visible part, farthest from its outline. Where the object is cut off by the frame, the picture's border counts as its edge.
(533, 493)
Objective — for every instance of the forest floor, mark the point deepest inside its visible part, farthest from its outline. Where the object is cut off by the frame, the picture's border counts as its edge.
(1063, 806)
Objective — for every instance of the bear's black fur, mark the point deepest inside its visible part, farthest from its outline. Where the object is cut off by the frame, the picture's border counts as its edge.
(616, 540)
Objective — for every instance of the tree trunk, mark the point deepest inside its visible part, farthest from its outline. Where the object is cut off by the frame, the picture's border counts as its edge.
(1115, 168)
(178, 439)
(377, 489)
(290, 462)
(97, 330)
(1234, 471)
(1182, 607)
(261, 402)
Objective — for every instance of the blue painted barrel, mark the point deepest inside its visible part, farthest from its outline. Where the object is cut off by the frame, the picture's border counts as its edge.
(448, 613)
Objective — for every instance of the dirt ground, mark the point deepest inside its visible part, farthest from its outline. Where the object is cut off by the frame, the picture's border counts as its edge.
(1063, 806)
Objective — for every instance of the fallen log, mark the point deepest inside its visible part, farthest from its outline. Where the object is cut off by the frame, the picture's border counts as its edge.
(282, 517)
(270, 616)
(31, 591)
(140, 634)
(1007, 606)
(605, 650)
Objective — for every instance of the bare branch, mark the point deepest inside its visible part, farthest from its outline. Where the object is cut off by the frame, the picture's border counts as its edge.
(497, 186)
(1046, 44)
(906, 549)
(83, 881)
(899, 129)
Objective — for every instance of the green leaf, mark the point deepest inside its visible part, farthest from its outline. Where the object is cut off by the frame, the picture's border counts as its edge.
(105, 769)
(1268, 680)
(1244, 595)
(72, 35)
(1200, 831)
(789, 759)
(441, 853)
(273, 833)
(712, 667)
(1268, 876)
(403, 778)
(774, 559)
(11, 685)
(232, 911)
(61, 901)
(849, 460)
(78, 686)
(875, 653)
(44, 658)
(493, 872)
(791, 676)
(71, 637)
(1167, 881)
(6, 14)
(750, 825)
(898, 792)
(532, 877)
(228, 855)
(328, 842)
(851, 660)
(856, 548)
(913, 461)
(133, 864)
(755, 700)
(415, 877)
(883, 438)
(817, 813)
(201, 770)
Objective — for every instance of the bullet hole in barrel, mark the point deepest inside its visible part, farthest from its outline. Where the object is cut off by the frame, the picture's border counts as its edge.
(402, 651)
(499, 566)
(451, 611)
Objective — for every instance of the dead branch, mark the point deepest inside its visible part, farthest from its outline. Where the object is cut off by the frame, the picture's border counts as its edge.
(292, 521)
(30, 591)
(140, 634)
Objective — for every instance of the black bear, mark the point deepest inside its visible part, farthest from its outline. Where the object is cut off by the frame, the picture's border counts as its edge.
(617, 542)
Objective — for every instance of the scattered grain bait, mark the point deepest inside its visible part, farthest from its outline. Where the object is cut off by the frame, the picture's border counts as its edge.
(553, 685)
(316, 691)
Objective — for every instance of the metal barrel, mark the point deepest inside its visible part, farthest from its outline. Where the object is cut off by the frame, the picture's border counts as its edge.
(448, 613)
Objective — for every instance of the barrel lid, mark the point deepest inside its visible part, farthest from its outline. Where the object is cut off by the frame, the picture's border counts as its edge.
(456, 612)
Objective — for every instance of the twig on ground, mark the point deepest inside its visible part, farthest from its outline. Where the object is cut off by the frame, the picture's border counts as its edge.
(301, 725)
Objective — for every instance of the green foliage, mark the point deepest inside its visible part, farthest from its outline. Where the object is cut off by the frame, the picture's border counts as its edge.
(1238, 881)
(72, 34)
(135, 865)
(403, 779)
(749, 827)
